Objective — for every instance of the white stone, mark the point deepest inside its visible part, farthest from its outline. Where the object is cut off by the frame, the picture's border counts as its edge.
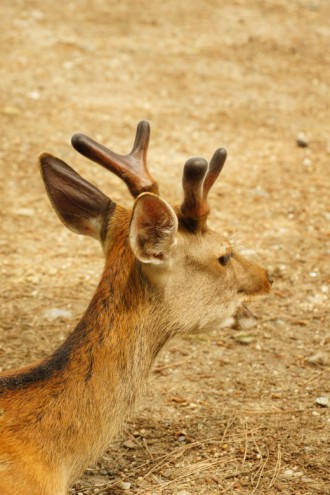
(54, 313)
(124, 485)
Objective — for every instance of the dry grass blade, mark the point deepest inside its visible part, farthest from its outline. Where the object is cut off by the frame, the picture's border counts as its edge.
(147, 448)
(260, 473)
(227, 489)
(262, 466)
(277, 466)
(316, 377)
(245, 441)
(242, 473)
(264, 412)
(229, 424)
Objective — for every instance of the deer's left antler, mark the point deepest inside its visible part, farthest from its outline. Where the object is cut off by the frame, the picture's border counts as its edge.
(131, 168)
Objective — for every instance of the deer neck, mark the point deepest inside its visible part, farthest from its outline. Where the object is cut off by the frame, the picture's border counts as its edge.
(113, 348)
(82, 394)
(115, 342)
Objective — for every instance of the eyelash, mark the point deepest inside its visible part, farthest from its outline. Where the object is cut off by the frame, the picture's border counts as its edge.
(223, 260)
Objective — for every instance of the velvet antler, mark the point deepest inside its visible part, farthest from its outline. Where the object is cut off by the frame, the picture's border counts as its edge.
(198, 178)
(131, 168)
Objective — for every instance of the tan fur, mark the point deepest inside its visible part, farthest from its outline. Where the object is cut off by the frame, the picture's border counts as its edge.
(59, 415)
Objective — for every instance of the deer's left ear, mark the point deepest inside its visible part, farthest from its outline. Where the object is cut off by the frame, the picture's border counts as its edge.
(154, 225)
(80, 206)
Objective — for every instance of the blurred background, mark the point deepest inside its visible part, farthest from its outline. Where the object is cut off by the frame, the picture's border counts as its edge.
(252, 77)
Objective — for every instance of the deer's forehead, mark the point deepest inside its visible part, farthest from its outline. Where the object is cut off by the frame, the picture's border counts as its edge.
(204, 245)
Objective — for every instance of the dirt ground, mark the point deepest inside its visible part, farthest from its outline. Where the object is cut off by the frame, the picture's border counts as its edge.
(233, 411)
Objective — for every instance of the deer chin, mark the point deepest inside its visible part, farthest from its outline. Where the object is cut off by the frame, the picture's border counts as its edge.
(225, 319)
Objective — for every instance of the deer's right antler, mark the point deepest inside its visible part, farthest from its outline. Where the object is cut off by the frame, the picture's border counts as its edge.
(198, 178)
(131, 168)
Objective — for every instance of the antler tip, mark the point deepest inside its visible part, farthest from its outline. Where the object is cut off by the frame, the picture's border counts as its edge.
(220, 155)
(144, 123)
(195, 169)
(77, 140)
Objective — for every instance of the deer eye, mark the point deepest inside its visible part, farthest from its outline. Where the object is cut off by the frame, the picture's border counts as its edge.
(223, 260)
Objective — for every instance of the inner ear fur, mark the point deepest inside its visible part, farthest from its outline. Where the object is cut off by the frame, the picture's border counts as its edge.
(153, 227)
(82, 207)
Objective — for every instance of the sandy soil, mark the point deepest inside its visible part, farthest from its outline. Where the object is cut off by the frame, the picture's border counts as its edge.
(219, 416)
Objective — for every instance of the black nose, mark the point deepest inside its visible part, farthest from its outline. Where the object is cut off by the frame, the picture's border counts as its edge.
(269, 278)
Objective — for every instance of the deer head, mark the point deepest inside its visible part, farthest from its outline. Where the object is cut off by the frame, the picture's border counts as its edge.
(195, 272)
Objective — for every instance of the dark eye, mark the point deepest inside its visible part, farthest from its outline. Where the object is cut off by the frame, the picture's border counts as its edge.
(223, 260)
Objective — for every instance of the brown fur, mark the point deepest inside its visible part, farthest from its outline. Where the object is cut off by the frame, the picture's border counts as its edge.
(60, 414)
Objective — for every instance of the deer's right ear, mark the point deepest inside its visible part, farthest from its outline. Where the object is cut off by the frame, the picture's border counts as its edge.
(154, 225)
(82, 207)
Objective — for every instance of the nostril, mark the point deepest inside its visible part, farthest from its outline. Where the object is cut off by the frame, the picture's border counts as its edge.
(269, 278)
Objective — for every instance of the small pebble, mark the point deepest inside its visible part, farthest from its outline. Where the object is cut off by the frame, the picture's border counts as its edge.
(304, 479)
(34, 95)
(124, 485)
(129, 444)
(167, 473)
(318, 358)
(280, 323)
(54, 313)
(288, 473)
(25, 212)
(323, 401)
(301, 140)
(243, 338)
(309, 449)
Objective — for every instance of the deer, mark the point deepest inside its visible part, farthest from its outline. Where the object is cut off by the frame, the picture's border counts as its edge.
(166, 273)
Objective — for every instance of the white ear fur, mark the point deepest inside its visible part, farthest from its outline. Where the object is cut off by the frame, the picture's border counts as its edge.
(154, 225)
